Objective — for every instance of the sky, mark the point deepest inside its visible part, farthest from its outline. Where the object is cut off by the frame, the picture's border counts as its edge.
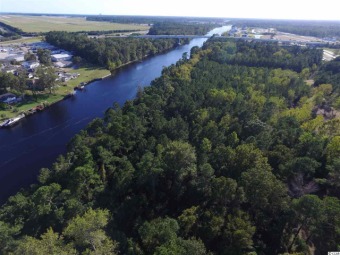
(271, 9)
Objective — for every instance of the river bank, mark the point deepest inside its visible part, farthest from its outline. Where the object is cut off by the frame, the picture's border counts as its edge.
(87, 74)
(37, 141)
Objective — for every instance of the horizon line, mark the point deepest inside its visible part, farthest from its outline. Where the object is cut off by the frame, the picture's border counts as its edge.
(165, 16)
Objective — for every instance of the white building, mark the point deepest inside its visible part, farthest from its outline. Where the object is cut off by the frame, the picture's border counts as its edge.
(30, 64)
(62, 64)
(61, 57)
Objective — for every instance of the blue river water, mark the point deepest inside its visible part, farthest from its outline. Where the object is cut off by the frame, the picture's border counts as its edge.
(37, 140)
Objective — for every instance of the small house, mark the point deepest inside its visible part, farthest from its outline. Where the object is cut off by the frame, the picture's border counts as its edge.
(30, 64)
(62, 64)
(61, 57)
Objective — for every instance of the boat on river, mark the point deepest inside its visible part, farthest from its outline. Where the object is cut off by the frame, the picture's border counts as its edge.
(11, 122)
(3, 124)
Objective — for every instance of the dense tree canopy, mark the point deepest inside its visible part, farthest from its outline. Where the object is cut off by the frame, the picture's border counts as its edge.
(259, 54)
(154, 19)
(44, 56)
(16, 83)
(176, 28)
(109, 52)
(215, 157)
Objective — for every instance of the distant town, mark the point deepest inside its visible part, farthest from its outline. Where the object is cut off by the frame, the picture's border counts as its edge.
(13, 58)
(274, 34)
(22, 58)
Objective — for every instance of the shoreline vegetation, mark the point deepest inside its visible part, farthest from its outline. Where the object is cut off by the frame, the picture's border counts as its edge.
(222, 154)
(229, 151)
(88, 73)
(106, 56)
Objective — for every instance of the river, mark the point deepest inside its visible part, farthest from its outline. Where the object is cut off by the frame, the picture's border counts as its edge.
(37, 140)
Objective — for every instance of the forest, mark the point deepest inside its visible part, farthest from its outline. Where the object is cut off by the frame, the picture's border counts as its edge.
(110, 52)
(167, 25)
(259, 54)
(153, 19)
(215, 157)
(174, 28)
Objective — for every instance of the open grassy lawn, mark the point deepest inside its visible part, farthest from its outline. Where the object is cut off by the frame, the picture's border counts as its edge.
(30, 103)
(87, 73)
(23, 40)
(37, 24)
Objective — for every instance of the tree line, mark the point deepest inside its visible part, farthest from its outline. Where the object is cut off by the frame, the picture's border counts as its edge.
(9, 33)
(329, 73)
(176, 28)
(126, 19)
(269, 54)
(212, 158)
(109, 52)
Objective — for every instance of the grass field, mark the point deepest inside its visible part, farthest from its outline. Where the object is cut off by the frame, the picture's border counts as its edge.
(87, 73)
(36, 24)
(23, 40)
